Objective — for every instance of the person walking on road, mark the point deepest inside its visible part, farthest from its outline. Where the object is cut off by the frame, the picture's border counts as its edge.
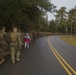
(21, 37)
(15, 45)
(3, 44)
(27, 40)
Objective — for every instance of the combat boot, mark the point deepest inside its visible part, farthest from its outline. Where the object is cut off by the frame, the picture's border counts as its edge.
(13, 62)
(18, 59)
(2, 61)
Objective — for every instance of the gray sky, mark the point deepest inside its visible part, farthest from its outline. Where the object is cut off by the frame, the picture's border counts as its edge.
(59, 3)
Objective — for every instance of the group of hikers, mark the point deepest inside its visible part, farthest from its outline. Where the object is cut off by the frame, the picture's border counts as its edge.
(12, 43)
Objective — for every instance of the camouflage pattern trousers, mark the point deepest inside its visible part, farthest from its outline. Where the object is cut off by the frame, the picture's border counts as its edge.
(15, 51)
(1, 55)
(3, 49)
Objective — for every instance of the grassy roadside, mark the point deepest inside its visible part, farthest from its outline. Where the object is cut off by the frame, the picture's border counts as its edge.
(71, 40)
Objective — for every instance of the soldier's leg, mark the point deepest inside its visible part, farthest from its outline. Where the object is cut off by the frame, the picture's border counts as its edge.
(2, 51)
(1, 57)
(28, 45)
(25, 44)
(17, 53)
(7, 48)
(13, 51)
(1, 60)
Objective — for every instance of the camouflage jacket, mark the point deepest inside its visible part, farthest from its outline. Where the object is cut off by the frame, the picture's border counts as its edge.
(14, 38)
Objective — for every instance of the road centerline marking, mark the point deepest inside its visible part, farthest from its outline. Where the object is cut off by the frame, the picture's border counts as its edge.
(65, 61)
(53, 49)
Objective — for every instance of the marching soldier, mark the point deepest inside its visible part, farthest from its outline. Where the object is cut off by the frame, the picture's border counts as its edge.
(21, 37)
(3, 44)
(15, 45)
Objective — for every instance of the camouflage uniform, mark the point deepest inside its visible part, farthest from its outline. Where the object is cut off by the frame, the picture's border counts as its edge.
(3, 45)
(15, 44)
(21, 38)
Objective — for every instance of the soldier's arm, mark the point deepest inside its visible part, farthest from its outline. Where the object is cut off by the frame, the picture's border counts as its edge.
(22, 38)
(19, 41)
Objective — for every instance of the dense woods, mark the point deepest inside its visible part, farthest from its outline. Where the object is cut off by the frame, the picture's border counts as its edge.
(30, 15)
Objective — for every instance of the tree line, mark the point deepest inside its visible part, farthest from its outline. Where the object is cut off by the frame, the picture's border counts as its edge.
(65, 21)
(26, 14)
(29, 15)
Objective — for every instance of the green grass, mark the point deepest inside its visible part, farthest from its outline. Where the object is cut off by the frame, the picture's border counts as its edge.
(69, 39)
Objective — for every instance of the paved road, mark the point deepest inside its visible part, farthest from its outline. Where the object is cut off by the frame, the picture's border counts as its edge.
(42, 59)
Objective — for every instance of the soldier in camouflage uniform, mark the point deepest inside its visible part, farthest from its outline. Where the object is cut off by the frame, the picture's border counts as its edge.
(21, 36)
(21, 39)
(15, 45)
(3, 44)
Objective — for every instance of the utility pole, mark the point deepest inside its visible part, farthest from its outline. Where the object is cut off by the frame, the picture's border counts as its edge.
(71, 30)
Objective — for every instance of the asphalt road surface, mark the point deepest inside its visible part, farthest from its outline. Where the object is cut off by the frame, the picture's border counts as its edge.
(47, 56)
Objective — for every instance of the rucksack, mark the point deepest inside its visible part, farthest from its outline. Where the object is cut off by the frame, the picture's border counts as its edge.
(14, 37)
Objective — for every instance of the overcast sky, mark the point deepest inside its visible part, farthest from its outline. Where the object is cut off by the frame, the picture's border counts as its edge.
(59, 3)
